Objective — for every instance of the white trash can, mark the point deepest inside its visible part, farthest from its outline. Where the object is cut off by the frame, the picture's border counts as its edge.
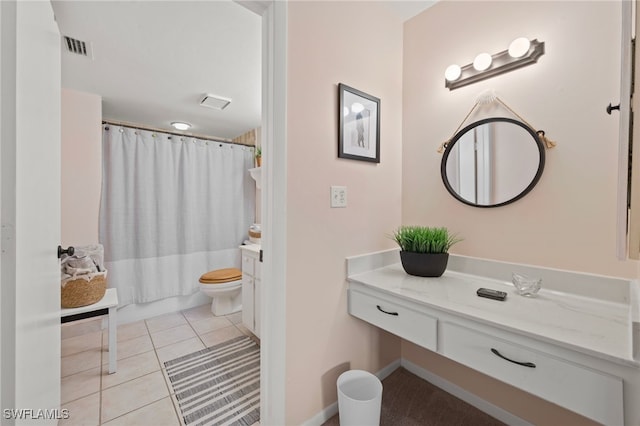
(359, 398)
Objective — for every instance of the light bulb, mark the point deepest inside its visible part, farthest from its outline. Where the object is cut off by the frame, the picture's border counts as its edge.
(482, 62)
(180, 126)
(519, 47)
(452, 73)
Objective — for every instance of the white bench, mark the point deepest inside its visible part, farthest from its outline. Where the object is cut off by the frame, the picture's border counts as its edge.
(108, 305)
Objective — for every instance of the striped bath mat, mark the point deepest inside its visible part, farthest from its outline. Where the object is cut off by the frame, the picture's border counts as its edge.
(219, 385)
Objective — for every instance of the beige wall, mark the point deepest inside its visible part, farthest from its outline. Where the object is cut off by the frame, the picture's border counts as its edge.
(568, 220)
(358, 44)
(81, 167)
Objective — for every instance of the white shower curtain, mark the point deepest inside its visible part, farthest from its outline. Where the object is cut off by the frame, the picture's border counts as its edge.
(172, 208)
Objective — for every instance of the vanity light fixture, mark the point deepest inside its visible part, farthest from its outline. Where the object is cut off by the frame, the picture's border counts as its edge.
(178, 125)
(521, 52)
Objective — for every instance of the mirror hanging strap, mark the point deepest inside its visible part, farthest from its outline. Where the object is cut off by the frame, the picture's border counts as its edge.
(486, 99)
(444, 144)
(548, 143)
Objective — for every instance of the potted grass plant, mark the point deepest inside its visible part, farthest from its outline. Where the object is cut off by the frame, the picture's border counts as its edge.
(424, 251)
(258, 155)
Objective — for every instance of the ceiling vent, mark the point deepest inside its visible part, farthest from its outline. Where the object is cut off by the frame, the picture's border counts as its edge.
(78, 47)
(215, 102)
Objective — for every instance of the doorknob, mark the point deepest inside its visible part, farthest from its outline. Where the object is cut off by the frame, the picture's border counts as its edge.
(612, 108)
(70, 250)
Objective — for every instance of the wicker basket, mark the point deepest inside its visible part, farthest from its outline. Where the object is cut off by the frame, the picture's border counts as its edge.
(82, 292)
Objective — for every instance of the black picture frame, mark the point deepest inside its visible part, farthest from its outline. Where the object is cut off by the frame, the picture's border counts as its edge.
(359, 125)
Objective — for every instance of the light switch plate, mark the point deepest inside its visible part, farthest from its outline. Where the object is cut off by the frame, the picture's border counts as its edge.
(338, 196)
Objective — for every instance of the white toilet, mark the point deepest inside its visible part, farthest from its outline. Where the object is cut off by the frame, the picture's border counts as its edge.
(224, 286)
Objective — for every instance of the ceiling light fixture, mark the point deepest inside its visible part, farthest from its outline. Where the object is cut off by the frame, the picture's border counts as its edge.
(521, 52)
(179, 125)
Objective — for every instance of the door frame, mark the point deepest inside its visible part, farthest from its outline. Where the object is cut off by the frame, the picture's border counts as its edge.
(273, 201)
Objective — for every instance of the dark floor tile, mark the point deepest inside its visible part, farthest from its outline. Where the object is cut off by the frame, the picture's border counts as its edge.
(407, 400)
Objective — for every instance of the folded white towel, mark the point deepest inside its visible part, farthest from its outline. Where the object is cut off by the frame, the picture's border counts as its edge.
(85, 263)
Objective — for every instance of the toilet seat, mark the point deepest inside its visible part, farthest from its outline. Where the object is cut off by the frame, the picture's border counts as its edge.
(221, 276)
(224, 286)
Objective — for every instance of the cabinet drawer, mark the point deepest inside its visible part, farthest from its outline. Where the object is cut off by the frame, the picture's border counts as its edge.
(591, 393)
(248, 265)
(411, 325)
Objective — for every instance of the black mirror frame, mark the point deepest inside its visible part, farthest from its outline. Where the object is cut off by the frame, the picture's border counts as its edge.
(457, 136)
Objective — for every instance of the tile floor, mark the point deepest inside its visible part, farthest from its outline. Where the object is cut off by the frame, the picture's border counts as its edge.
(139, 392)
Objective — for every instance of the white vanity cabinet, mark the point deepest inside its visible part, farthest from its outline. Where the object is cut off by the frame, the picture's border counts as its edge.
(574, 351)
(251, 287)
(592, 393)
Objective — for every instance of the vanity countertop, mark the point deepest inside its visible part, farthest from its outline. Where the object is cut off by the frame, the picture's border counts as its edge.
(588, 324)
(251, 247)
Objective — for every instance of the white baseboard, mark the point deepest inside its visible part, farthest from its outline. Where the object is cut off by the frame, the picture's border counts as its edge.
(382, 374)
(332, 409)
(463, 394)
(455, 390)
(323, 415)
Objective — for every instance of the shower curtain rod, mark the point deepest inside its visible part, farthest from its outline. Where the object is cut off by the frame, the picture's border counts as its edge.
(188, 135)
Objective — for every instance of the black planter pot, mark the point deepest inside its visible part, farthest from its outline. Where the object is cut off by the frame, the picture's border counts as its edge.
(424, 264)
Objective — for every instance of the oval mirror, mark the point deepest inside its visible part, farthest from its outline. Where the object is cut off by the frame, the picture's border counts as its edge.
(492, 162)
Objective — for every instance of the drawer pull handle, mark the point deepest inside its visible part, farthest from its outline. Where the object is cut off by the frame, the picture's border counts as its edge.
(386, 312)
(524, 364)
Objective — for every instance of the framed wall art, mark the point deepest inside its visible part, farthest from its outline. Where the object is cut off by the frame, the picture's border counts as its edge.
(359, 125)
